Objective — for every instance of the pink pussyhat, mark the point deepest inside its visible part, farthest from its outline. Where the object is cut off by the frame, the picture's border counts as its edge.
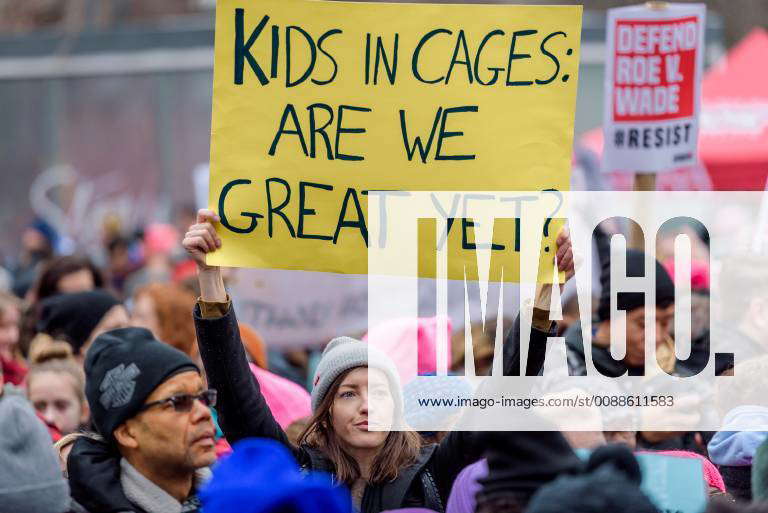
(394, 336)
(160, 238)
(287, 401)
(699, 273)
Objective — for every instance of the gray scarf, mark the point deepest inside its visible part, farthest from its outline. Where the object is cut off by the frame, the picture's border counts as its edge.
(151, 498)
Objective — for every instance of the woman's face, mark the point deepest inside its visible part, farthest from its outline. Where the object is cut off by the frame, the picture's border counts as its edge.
(53, 396)
(78, 281)
(9, 329)
(349, 411)
(144, 314)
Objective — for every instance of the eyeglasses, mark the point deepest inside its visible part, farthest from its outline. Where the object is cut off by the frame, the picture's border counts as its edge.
(184, 402)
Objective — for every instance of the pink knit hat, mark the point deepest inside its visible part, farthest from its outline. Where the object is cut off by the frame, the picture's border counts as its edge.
(393, 337)
(287, 401)
(160, 238)
(711, 474)
(699, 273)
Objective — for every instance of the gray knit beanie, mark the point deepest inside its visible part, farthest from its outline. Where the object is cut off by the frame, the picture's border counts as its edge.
(344, 353)
(30, 478)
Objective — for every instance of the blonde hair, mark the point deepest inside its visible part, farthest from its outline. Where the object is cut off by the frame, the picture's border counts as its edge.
(49, 355)
(67, 440)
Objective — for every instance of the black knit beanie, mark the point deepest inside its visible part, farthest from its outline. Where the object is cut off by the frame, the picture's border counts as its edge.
(519, 463)
(72, 317)
(122, 368)
(665, 287)
(610, 482)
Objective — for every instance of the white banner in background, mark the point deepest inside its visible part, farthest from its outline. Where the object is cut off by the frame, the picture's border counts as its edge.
(292, 309)
(653, 71)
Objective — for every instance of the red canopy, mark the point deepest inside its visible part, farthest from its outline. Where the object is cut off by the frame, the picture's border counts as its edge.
(733, 138)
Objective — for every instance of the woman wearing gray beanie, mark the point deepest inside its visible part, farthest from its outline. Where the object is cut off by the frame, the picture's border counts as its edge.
(384, 469)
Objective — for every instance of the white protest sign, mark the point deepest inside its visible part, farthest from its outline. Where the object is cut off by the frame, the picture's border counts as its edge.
(292, 309)
(653, 73)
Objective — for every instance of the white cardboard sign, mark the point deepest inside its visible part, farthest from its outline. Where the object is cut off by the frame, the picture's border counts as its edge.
(653, 73)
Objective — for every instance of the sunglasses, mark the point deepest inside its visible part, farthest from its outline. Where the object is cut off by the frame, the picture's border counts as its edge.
(184, 402)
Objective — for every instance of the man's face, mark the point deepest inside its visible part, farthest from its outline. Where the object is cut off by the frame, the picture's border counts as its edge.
(172, 440)
(636, 332)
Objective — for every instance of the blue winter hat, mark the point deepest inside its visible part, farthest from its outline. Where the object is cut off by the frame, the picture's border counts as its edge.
(433, 388)
(261, 476)
(46, 230)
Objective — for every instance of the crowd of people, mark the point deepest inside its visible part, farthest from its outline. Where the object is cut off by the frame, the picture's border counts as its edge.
(129, 385)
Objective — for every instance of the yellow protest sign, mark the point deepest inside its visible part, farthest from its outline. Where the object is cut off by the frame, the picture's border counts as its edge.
(316, 103)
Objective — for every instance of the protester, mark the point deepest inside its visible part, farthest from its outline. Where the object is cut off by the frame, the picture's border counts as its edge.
(164, 309)
(11, 359)
(261, 476)
(37, 246)
(78, 318)
(743, 282)
(395, 337)
(700, 317)
(67, 274)
(760, 474)
(61, 275)
(483, 344)
(30, 480)
(733, 451)
(727, 506)
(438, 387)
(610, 482)
(744, 425)
(56, 386)
(518, 466)
(149, 403)
(160, 241)
(384, 469)
(633, 363)
(465, 488)
(119, 264)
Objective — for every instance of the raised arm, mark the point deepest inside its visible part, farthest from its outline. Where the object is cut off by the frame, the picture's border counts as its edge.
(461, 448)
(243, 411)
(541, 326)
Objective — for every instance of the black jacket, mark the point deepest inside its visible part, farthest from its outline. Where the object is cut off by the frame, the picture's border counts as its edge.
(94, 480)
(243, 413)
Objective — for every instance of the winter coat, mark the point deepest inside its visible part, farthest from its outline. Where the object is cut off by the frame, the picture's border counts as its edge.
(244, 413)
(101, 480)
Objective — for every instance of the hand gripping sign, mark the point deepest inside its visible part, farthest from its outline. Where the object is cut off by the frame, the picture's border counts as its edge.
(316, 104)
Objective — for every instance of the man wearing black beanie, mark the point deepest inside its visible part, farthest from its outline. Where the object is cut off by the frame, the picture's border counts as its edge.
(149, 403)
(633, 303)
(633, 363)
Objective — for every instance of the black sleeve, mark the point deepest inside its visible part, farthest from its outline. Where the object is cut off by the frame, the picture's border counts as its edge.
(537, 349)
(461, 448)
(243, 411)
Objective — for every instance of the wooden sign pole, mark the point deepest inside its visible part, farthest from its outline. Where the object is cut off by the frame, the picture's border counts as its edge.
(643, 181)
